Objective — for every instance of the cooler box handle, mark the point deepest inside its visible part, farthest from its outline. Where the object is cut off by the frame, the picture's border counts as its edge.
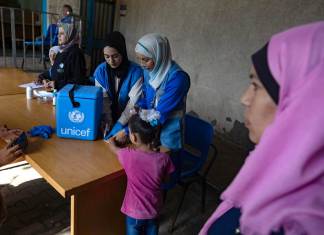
(71, 95)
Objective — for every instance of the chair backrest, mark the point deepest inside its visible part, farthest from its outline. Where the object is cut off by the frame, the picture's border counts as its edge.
(198, 135)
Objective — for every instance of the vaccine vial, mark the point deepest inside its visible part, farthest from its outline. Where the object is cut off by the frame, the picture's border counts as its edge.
(29, 93)
(54, 97)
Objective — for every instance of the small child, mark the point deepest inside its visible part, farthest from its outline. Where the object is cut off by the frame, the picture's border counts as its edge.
(45, 78)
(146, 170)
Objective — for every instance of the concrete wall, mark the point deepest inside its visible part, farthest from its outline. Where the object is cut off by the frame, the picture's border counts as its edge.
(55, 6)
(213, 40)
(31, 4)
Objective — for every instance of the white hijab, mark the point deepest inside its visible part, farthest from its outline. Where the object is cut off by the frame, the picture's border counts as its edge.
(156, 47)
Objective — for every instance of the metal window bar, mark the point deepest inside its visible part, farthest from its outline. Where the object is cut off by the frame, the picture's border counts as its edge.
(24, 36)
(3, 38)
(13, 36)
(42, 36)
(33, 38)
(51, 33)
(80, 33)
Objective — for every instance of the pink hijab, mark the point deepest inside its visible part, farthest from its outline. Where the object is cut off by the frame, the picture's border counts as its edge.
(281, 184)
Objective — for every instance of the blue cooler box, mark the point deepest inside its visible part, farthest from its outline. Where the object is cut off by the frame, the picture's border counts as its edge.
(78, 112)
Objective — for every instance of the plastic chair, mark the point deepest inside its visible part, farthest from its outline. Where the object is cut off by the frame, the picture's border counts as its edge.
(50, 39)
(198, 139)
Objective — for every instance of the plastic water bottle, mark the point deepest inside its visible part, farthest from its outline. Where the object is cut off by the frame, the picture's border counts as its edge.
(29, 93)
(54, 97)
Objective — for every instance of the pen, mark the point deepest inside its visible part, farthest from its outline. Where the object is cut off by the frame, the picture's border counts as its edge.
(106, 130)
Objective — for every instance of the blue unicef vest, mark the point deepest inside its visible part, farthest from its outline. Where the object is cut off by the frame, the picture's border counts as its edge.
(172, 130)
(134, 73)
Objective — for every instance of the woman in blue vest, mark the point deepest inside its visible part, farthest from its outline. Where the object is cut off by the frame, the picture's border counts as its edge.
(121, 81)
(165, 89)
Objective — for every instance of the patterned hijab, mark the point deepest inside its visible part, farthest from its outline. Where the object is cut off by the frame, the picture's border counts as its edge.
(156, 47)
(71, 33)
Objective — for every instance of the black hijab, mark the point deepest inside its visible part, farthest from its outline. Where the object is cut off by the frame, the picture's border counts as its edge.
(260, 62)
(116, 40)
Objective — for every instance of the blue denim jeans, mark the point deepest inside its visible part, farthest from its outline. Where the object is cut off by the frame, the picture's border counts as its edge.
(141, 226)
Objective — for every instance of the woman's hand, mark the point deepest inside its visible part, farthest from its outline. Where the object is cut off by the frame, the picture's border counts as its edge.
(49, 85)
(120, 140)
(9, 154)
(121, 137)
(116, 128)
(112, 144)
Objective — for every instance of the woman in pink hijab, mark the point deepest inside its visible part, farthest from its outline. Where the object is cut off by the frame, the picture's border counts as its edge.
(280, 188)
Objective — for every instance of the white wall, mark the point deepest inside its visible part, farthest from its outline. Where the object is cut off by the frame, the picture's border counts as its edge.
(213, 40)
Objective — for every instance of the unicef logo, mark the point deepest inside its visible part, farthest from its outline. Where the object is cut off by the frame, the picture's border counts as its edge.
(76, 116)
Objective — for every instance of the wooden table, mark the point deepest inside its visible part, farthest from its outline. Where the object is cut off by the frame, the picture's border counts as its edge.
(85, 171)
(11, 78)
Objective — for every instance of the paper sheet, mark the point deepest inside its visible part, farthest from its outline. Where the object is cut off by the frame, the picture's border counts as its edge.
(32, 85)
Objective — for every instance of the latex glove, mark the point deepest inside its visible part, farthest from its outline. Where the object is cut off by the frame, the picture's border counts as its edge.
(43, 131)
(116, 128)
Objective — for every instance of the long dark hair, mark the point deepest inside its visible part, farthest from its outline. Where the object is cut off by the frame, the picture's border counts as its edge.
(148, 134)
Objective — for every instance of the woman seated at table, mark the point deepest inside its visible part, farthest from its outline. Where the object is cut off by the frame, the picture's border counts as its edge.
(165, 87)
(47, 75)
(121, 81)
(279, 189)
(69, 65)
